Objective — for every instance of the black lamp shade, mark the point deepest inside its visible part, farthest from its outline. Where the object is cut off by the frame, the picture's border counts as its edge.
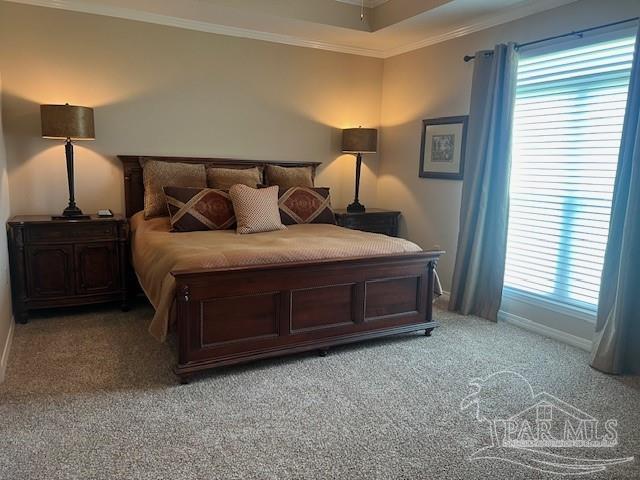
(67, 121)
(360, 140)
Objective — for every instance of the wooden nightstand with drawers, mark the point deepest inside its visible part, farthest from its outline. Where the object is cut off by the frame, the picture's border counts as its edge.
(58, 263)
(373, 220)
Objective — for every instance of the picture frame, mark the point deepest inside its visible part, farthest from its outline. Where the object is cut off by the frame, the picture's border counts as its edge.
(442, 147)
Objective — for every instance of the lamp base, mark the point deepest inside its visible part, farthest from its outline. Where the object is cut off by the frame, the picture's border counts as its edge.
(71, 213)
(356, 207)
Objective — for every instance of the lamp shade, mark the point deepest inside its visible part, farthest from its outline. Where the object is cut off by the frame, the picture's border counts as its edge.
(360, 140)
(67, 121)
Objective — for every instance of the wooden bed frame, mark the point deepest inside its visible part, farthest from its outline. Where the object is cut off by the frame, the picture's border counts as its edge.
(233, 315)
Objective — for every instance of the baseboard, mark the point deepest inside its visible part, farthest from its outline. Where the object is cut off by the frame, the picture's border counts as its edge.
(534, 327)
(4, 357)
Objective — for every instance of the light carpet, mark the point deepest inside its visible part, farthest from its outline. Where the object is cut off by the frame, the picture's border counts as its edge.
(90, 395)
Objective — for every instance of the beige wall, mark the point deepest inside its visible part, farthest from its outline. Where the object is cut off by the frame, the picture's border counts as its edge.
(435, 82)
(168, 91)
(5, 291)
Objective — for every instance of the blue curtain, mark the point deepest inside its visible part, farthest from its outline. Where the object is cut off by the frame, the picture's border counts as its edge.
(616, 346)
(482, 242)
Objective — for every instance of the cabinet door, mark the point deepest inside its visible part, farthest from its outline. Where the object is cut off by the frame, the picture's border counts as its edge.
(97, 268)
(49, 270)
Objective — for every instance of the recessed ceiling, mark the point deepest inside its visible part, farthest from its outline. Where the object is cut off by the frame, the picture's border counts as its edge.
(389, 27)
(367, 3)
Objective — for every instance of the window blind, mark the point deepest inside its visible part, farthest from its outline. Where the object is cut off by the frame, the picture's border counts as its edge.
(569, 111)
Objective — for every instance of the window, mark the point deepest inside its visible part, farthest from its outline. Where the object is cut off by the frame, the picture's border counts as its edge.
(569, 112)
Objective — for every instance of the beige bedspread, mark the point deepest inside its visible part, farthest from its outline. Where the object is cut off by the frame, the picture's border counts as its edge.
(157, 252)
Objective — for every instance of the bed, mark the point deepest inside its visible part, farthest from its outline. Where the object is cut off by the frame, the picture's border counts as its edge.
(235, 298)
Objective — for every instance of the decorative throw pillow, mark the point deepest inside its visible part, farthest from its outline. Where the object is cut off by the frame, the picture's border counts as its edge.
(256, 209)
(306, 205)
(194, 209)
(157, 174)
(287, 177)
(225, 178)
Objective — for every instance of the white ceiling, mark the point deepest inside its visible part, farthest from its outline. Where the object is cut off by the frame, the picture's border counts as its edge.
(390, 27)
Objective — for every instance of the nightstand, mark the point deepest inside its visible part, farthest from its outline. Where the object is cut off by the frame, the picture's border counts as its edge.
(59, 263)
(373, 220)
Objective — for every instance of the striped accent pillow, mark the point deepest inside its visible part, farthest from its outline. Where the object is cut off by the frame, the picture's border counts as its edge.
(256, 209)
(194, 209)
(306, 205)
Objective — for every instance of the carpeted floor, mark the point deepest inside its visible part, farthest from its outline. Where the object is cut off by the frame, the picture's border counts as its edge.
(89, 395)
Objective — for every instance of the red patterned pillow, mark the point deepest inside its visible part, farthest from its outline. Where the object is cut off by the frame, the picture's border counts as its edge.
(194, 209)
(306, 205)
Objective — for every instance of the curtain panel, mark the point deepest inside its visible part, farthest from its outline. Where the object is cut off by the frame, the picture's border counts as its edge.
(480, 261)
(616, 346)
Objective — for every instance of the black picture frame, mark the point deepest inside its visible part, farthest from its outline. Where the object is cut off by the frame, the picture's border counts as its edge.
(457, 120)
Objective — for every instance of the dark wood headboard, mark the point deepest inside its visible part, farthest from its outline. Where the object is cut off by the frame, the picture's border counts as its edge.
(134, 188)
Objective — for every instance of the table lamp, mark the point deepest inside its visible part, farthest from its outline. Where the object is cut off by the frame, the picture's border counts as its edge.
(359, 141)
(68, 122)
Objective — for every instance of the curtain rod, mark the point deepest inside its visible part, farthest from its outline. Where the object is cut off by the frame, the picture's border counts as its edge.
(578, 33)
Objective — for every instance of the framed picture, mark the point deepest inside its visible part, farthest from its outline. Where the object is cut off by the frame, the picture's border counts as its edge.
(442, 147)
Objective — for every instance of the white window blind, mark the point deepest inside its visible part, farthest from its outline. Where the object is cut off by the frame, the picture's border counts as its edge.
(569, 112)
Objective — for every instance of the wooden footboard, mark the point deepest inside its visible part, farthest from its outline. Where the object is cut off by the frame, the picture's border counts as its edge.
(230, 316)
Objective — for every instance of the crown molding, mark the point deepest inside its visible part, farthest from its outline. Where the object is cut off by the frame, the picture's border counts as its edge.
(170, 21)
(520, 10)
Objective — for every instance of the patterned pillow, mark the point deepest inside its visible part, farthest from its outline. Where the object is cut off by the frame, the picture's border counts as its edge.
(156, 174)
(256, 209)
(194, 209)
(287, 177)
(225, 178)
(306, 205)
